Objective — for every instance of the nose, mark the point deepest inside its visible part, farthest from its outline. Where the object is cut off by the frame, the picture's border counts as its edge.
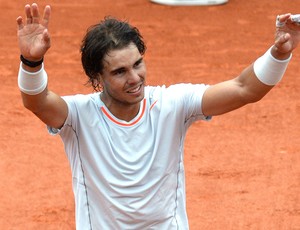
(133, 77)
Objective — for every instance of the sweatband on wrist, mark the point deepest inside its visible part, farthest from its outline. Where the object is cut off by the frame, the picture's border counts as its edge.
(32, 83)
(270, 70)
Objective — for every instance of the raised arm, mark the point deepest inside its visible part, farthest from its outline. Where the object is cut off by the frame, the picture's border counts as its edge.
(34, 41)
(260, 77)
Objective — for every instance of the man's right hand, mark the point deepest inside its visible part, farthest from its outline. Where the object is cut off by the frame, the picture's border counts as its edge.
(33, 35)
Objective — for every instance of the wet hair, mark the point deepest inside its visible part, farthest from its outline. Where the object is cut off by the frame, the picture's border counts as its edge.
(110, 34)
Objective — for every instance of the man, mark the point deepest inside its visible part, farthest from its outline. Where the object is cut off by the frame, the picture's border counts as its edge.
(125, 141)
(190, 2)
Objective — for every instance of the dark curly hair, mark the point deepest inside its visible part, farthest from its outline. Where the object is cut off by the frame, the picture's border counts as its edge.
(109, 34)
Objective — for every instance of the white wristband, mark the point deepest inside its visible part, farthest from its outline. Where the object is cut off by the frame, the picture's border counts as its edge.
(32, 83)
(270, 70)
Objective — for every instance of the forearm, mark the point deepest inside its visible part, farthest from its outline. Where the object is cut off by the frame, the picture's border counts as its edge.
(250, 86)
(33, 86)
(267, 71)
(46, 105)
(35, 103)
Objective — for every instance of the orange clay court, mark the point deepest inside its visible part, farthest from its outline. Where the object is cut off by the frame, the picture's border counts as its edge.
(242, 168)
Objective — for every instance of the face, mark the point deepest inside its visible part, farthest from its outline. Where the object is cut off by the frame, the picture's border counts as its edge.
(123, 77)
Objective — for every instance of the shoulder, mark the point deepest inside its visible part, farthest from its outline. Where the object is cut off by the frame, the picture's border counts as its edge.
(175, 90)
(79, 98)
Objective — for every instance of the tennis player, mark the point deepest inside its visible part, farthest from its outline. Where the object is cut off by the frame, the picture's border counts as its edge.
(125, 141)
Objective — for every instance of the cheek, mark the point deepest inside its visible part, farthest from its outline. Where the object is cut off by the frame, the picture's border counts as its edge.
(142, 72)
(114, 85)
(144, 69)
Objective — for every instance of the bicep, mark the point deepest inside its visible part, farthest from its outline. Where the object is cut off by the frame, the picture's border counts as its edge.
(49, 107)
(233, 94)
(221, 98)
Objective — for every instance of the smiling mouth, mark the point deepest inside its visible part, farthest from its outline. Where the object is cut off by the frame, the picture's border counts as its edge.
(135, 90)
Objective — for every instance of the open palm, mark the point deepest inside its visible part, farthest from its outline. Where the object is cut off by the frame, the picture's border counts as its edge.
(33, 36)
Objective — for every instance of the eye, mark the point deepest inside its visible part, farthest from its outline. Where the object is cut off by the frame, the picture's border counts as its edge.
(119, 71)
(138, 63)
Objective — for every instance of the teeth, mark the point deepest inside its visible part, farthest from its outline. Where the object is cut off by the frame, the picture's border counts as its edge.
(134, 90)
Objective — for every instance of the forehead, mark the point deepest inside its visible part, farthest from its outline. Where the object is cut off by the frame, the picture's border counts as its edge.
(121, 57)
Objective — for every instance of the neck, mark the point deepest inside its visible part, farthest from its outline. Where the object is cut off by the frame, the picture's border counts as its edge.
(122, 111)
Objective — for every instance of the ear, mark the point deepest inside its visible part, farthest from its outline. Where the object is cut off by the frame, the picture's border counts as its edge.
(100, 81)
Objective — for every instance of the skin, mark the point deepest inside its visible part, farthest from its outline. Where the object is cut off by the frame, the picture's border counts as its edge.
(124, 74)
(123, 81)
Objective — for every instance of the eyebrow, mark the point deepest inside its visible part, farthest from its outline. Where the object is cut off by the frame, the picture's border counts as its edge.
(139, 60)
(122, 68)
(117, 70)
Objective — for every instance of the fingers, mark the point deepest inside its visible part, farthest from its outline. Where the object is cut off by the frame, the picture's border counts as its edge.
(46, 16)
(28, 14)
(282, 19)
(290, 20)
(20, 22)
(283, 43)
(46, 37)
(33, 15)
(282, 39)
